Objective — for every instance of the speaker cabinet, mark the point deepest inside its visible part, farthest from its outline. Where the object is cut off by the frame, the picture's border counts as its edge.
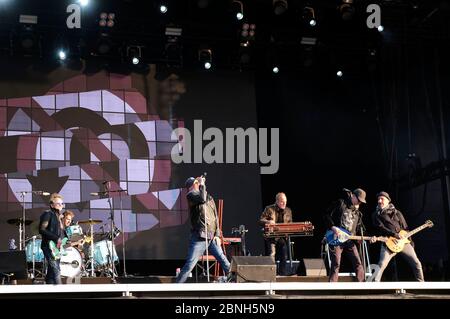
(254, 268)
(13, 263)
(315, 267)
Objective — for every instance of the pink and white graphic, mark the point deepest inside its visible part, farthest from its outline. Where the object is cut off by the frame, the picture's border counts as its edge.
(82, 132)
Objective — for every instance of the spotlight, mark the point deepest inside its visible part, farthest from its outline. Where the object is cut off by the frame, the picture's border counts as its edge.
(62, 55)
(339, 73)
(134, 53)
(163, 8)
(347, 9)
(380, 28)
(275, 70)
(238, 9)
(205, 57)
(107, 19)
(173, 49)
(309, 16)
(83, 3)
(279, 6)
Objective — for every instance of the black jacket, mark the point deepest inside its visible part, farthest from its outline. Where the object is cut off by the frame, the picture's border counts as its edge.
(201, 203)
(344, 215)
(49, 227)
(389, 221)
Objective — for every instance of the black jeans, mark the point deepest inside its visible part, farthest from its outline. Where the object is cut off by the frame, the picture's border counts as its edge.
(277, 248)
(53, 275)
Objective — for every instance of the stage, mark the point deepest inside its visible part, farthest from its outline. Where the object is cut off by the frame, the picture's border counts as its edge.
(284, 288)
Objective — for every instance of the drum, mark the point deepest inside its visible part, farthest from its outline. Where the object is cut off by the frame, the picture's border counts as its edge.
(74, 232)
(71, 262)
(34, 247)
(102, 253)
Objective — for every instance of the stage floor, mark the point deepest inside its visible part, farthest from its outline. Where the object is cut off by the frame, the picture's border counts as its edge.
(284, 288)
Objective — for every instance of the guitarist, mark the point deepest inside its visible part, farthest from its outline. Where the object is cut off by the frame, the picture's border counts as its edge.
(50, 227)
(389, 221)
(345, 214)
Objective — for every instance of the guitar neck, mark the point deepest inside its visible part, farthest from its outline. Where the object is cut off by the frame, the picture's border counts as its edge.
(359, 237)
(418, 229)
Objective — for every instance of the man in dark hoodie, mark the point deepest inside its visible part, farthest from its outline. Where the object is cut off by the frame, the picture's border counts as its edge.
(345, 214)
(389, 221)
(205, 230)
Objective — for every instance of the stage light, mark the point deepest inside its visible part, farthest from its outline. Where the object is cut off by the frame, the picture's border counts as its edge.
(62, 55)
(205, 57)
(347, 9)
(163, 8)
(275, 70)
(339, 73)
(238, 9)
(107, 19)
(84, 3)
(309, 16)
(134, 53)
(380, 28)
(279, 6)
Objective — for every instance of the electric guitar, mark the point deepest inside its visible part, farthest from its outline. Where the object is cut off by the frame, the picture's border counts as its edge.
(396, 245)
(343, 235)
(57, 253)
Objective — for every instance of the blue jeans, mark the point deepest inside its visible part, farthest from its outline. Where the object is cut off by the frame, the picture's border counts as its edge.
(196, 250)
(408, 253)
(53, 271)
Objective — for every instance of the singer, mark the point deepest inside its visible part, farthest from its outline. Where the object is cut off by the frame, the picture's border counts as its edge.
(50, 227)
(204, 233)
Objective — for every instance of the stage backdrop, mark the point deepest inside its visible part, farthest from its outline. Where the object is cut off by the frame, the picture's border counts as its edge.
(71, 131)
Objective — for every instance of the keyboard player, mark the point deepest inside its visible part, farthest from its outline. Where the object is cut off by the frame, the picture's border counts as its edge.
(277, 247)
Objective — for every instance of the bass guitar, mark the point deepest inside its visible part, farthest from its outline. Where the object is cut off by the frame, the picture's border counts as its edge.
(65, 243)
(343, 235)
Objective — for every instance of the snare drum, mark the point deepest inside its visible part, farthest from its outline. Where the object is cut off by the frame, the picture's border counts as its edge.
(74, 231)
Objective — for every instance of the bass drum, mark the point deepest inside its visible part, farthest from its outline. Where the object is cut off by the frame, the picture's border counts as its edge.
(71, 263)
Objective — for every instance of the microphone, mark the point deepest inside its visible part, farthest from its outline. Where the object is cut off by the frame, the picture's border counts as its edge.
(41, 193)
(34, 192)
(97, 193)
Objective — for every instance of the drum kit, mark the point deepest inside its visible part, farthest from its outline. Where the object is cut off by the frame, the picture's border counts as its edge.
(90, 255)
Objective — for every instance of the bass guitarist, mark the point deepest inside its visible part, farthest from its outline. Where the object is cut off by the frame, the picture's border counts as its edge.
(390, 222)
(50, 227)
(345, 214)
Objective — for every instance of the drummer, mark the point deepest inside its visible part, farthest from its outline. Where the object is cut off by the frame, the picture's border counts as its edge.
(67, 221)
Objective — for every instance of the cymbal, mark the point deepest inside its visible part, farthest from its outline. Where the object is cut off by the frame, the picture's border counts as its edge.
(90, 221)
(18, 221)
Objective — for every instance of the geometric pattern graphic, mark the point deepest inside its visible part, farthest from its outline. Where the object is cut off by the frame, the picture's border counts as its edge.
(82, 132)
